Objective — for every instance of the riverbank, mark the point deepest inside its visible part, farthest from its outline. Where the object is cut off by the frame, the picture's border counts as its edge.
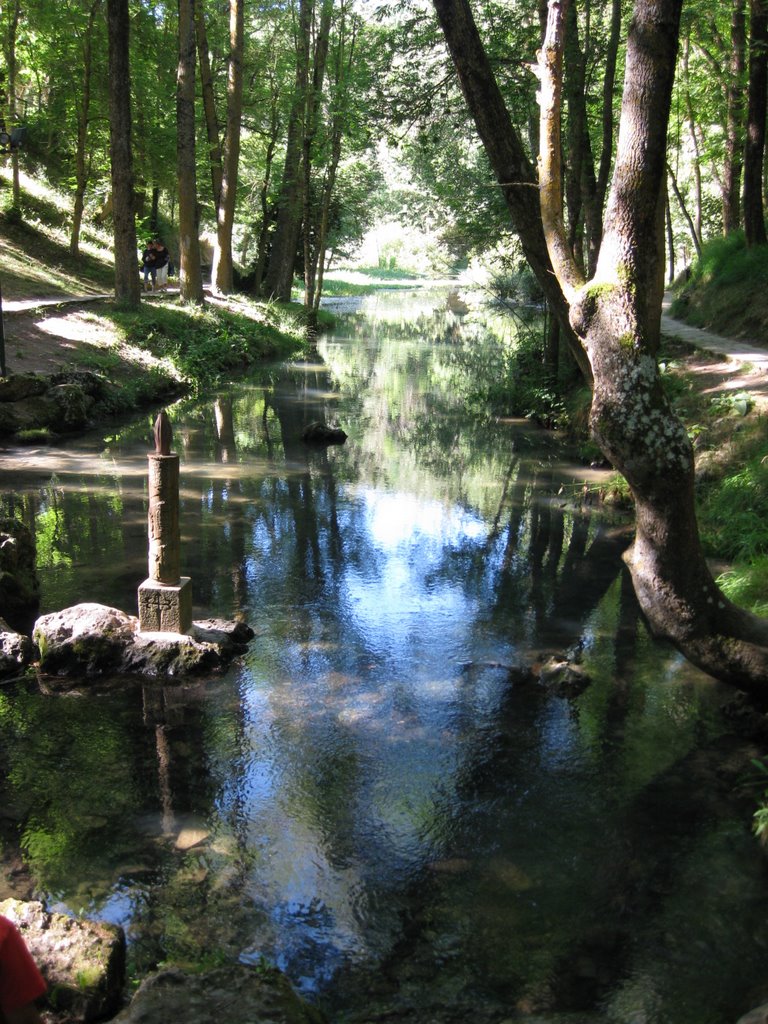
(124, 360)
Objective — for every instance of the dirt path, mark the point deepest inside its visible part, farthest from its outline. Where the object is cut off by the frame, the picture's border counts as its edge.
(51, 335)
(720, 365)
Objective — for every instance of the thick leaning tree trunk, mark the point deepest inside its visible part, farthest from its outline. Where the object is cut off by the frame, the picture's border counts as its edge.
(617, 317)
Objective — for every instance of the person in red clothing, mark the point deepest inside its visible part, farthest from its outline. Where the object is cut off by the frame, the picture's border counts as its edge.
(20, 981)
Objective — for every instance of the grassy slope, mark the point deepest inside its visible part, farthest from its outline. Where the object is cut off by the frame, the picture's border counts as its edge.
(727, 292)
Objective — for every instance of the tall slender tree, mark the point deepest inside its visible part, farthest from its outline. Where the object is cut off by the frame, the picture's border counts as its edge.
(190, 271)
(83, 113)
(123, 199)
(222, 271)
(14, 14)
(279, 276)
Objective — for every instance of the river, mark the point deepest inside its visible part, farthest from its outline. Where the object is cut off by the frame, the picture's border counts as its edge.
(371, 799)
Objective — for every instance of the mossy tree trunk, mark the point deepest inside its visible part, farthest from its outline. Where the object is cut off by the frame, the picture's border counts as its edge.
(614, 318)
(617, 317)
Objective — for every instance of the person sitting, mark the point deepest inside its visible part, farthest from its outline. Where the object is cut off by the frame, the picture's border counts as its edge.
(21, 983)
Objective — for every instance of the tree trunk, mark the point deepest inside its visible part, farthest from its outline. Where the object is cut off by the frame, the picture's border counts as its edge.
(209, 105)
(731, 190)
(754, 150)
(222, 271)
(82, 170)
(513, 170)
(684, 210)
(696, 160)
(13, 25)
(618, 320)
(585, 221)
(123, 199)
(279, 277)
(266, 216)
(190, 274)
(311, 126)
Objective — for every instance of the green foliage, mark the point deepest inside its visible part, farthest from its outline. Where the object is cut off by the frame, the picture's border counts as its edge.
(736, 404)
(734, 512)
(758, 781)
(747, 584)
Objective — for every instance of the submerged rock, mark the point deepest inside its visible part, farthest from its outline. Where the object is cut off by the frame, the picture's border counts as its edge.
(563, 678)
(235, 994)
(321, 433)
(83, 962)
(95, 640)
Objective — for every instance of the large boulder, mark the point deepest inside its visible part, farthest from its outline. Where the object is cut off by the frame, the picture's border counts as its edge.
(19, 585)
(88, 639)
(15, 650)
(235, 994)
(62, 402)
(95, 640)
(19, 386)
(83, 962)
(321, 434)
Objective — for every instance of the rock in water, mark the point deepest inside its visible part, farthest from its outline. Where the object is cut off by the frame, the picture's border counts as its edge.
(321, 433)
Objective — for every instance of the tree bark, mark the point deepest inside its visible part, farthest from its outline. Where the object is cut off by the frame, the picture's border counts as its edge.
(731, 190)
(222, 270)
(209, 104)
(278, 280)
(311, 126)
(123, 199)
(684, 210)
(190, 273)
(13, 25)
(83, 119)
(754, 149)
(696, 160)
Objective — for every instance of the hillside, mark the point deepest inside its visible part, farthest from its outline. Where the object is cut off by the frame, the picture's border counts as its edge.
(726, 290)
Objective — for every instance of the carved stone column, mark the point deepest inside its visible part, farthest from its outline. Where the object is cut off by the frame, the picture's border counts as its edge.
(165, 598)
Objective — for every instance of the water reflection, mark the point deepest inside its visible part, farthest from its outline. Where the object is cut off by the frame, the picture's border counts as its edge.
(368, 800)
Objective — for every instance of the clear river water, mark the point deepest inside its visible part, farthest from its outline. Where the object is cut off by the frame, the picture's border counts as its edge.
(369, 799)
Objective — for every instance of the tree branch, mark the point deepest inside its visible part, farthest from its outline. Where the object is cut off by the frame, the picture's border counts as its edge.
(550, 160)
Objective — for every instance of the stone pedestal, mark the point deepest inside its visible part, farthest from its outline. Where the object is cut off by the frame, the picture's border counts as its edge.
(164, 607)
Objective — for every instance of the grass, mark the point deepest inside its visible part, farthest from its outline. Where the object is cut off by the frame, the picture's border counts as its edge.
(210, 343)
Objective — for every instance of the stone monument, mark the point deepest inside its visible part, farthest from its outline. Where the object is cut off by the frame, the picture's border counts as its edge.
(165, 598)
